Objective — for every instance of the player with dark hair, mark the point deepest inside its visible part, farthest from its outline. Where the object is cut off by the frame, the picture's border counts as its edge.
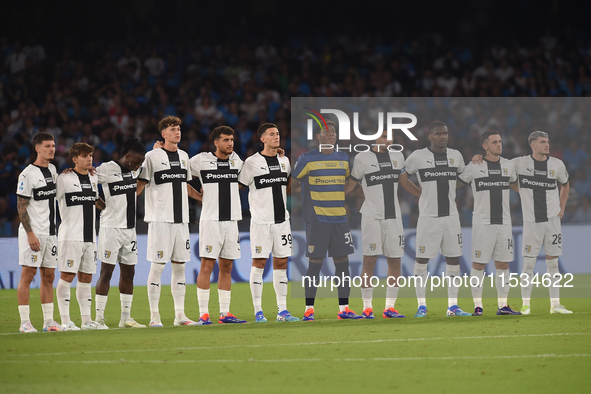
(117, 235)
(492, 232)
(165, 175)
(323, 175)
(218, 225)
(37, 240)
(380, 171)
(438, 227)
(543, 206)
(268, 176)
(77, 195)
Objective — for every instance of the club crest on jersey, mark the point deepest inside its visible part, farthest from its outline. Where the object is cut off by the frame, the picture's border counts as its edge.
(183, 164)
(341, 164)
(94, 188)
(283, 167)
(33, 258)
(421, 249)
(232, 163)
(478, 253)
(505, 171)
(551, 173)
(107, 254)
(310, 248)
(208, 248)
(451, 162)
(70, 263)
(159, 254)
(258, 249)
(528, 248)
(394, 163)
(372, 247)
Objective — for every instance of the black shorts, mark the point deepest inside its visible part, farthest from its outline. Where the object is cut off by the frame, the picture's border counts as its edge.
(334, 238)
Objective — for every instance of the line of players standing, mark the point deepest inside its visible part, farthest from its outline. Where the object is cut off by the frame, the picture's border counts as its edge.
(165, 175)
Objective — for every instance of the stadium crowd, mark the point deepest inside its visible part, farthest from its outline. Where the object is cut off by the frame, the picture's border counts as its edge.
(104, 93)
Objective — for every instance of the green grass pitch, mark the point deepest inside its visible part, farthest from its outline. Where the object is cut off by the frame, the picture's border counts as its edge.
(489, 354)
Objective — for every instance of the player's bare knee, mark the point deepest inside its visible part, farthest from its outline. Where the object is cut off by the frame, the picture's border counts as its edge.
(551, 257)
(501, 265)
(127, 272)
(84, 277)
(226, 266)
(280, 263)
(422, 260)
(453, 260)
(341, 259)
(259, 263)
(27, 274)
(67, 276)
(480, 266)
(47, 276)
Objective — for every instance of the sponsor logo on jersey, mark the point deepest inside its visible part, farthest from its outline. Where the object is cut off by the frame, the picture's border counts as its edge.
(421, 249)
(273, 180)
(124, 187)
(310, 248)
(221, 176)
(45, 193)
(159, 254)
(528, 248)
(385, 164)
(494, 172)
(372, 247)
(258, 249)
(208, 248)
(478, 253)
(70, 263)
(33, 258)
(107, 254)
(49, 179)
(175, 163)
(275, 168)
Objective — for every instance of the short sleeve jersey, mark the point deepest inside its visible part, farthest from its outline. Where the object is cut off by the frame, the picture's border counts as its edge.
(120, 188)
(538, 189)
(378, 174)
(76, 196)
(266, 177)
(323, 178)
(166, 174)
(437, 174)
(219, 179)
(39, 185)
(490, 182)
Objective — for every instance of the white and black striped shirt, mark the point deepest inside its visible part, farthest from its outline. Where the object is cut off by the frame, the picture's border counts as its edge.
(437, 174)
(221, 199)
(266, 177)
(538, 190)
(76, 195)
(120, 188)
(39, 185)
(167, 174)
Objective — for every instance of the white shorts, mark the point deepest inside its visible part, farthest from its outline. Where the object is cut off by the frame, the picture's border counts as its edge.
(219, 239)
(492, 241)
(382, 237)
(270, 238)
(168, 241)
(117, 245)
(77, 256)
(45, 258)
(548, 234)
(442, 233)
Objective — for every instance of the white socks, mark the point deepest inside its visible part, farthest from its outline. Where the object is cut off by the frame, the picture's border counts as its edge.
(224, 296)
(256, 288)
(476, 290)
(552, 267)
(452, 290)
(62, 293)
(203, 300)
(126, 300)
(280, 286)
(502, 282)
(366, 296)
(100, 302)
(154, 290)
(47, 313)
(420, 271)
(84, 297)
(178, 289)
(24, 311)
(391, 295)
(529, 264)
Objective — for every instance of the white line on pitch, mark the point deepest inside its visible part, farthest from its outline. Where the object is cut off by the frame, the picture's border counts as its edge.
(297, 344)
(123, 361)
